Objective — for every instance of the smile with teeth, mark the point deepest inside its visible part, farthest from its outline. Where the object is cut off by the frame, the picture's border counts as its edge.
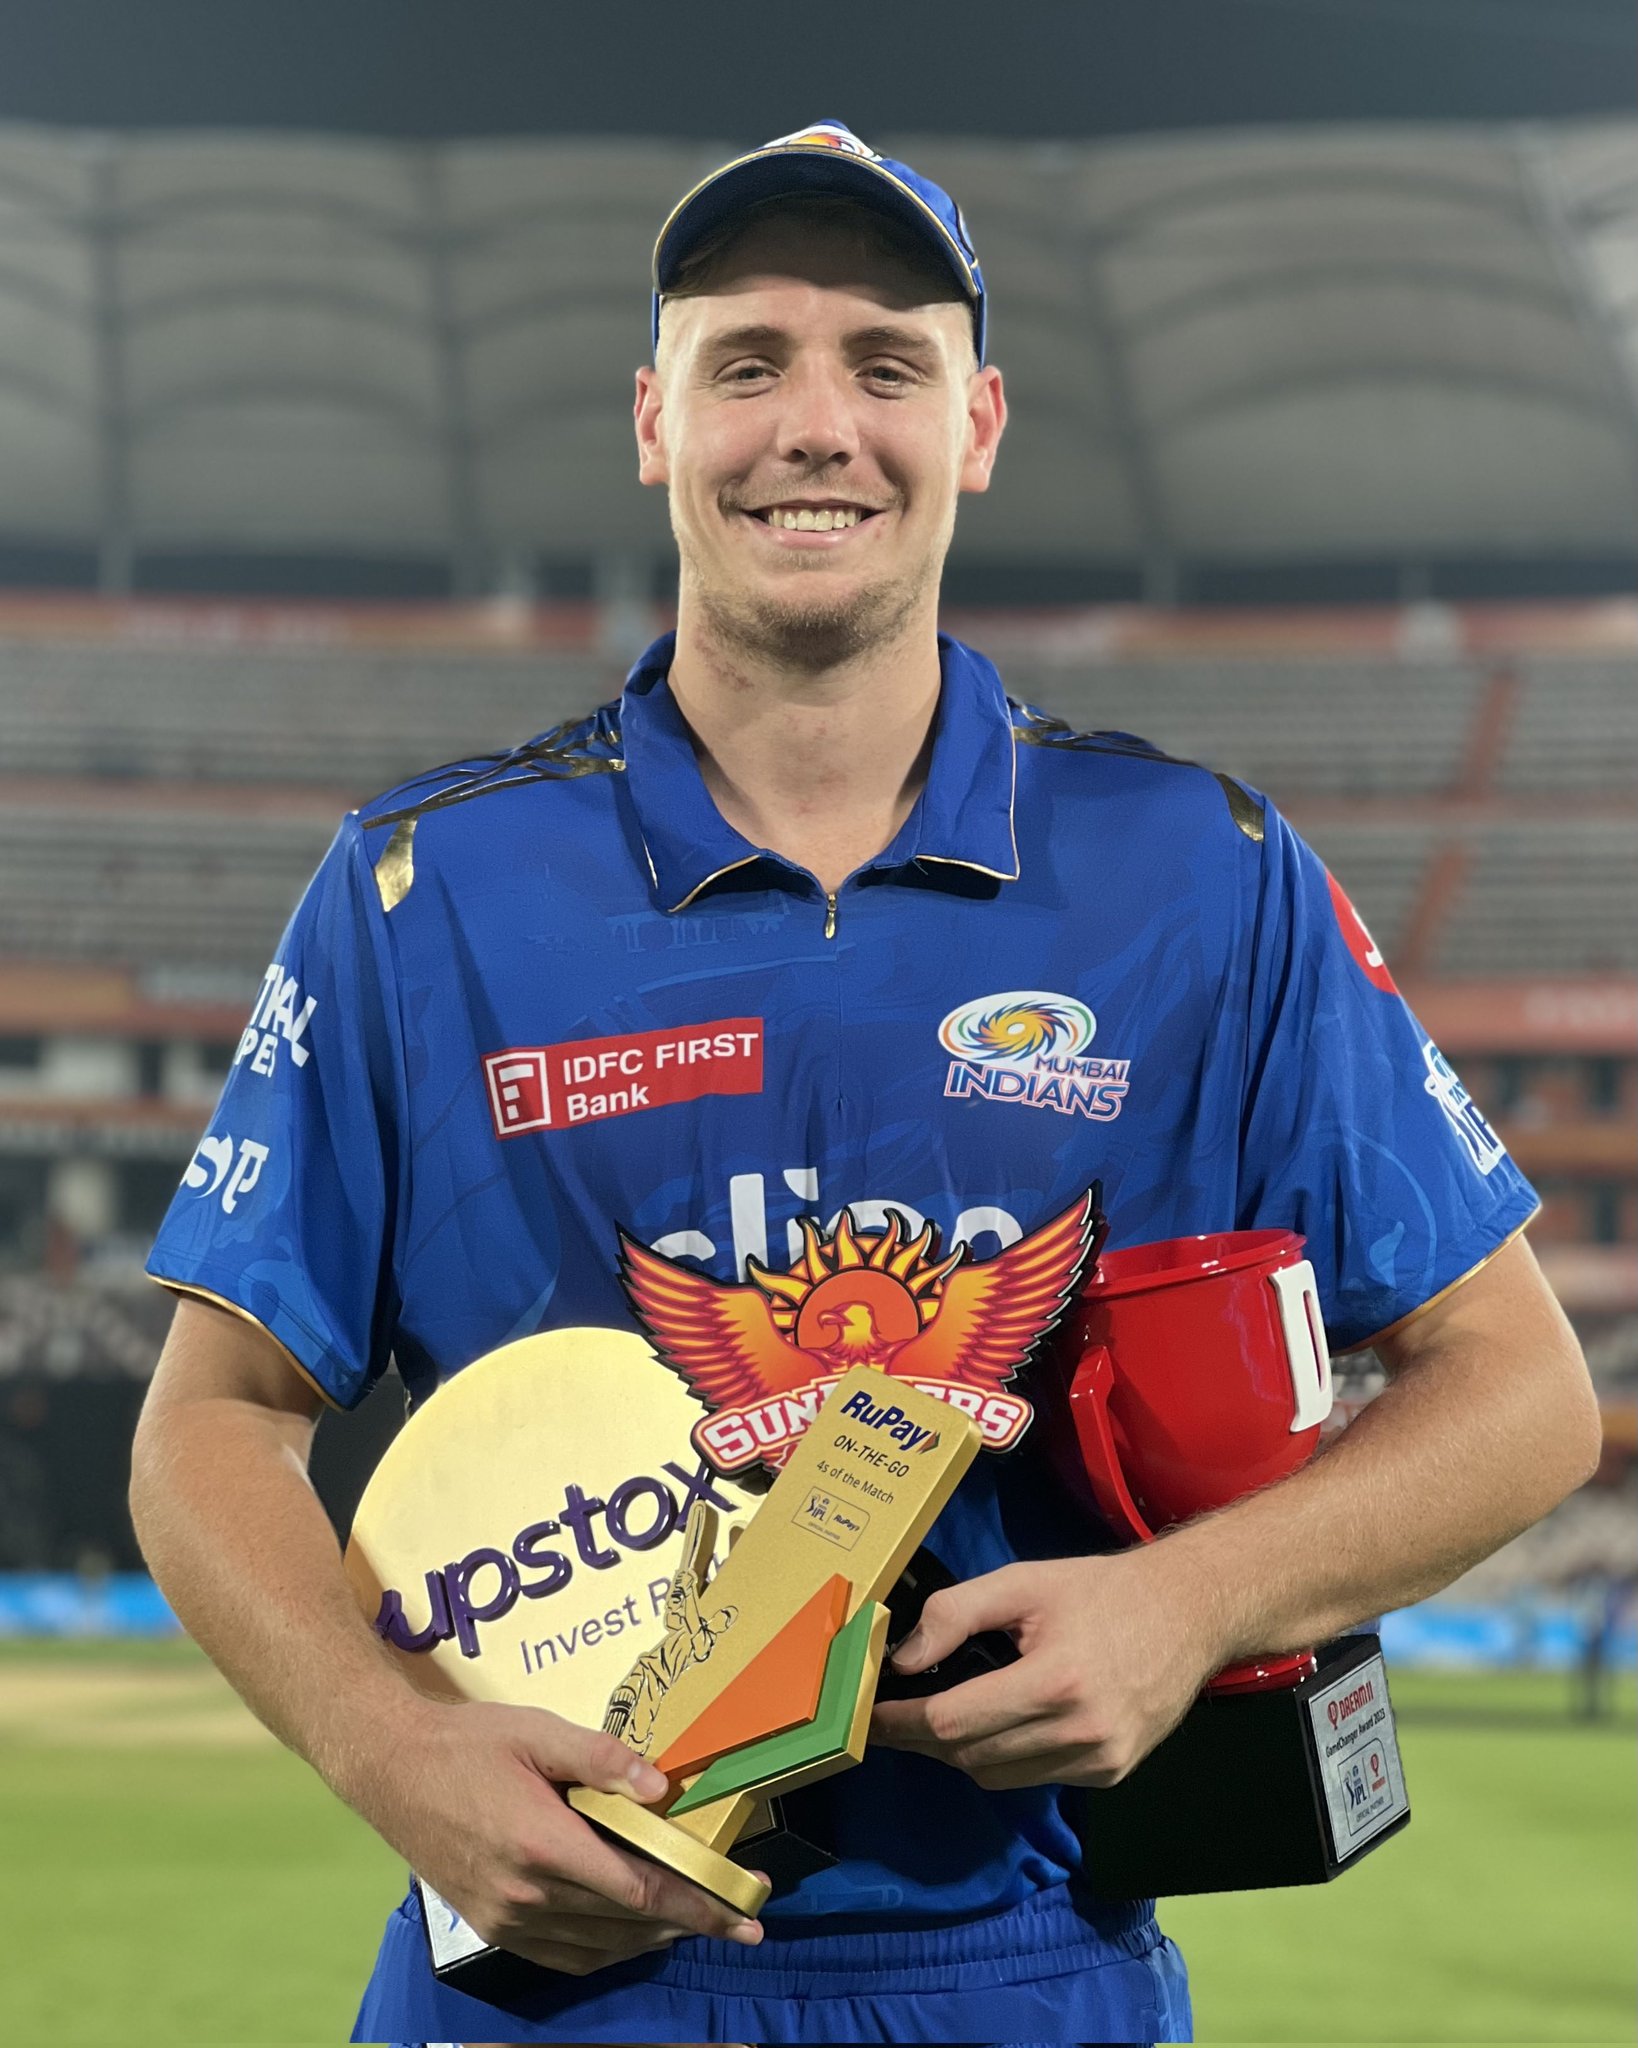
(827, 519)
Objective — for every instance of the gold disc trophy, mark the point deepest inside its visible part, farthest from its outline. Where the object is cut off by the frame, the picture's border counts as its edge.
(544, 1532)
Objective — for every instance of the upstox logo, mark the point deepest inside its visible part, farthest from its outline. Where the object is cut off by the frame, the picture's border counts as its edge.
(638, 1515)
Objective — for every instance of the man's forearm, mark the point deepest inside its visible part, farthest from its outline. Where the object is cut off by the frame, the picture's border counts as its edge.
(242, 1549)
(1480, 1434)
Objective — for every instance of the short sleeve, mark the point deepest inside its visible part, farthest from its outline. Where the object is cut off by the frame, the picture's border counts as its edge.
(1355, 1129)
(289, 1206)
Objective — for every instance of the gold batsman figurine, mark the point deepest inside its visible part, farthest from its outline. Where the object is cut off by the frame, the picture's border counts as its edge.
(689, 1635)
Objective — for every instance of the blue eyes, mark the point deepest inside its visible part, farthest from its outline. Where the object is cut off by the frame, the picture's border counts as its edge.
(884, 373)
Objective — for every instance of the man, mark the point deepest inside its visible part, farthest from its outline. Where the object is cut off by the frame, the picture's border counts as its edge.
(817, 832)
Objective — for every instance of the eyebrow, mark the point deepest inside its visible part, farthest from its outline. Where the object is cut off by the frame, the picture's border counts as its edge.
(765, 339)
(904, 341)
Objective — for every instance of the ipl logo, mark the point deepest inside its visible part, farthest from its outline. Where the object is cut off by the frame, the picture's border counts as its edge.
(1463, 1114)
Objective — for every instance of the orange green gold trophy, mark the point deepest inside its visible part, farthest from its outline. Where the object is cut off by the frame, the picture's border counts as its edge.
(544, 1533)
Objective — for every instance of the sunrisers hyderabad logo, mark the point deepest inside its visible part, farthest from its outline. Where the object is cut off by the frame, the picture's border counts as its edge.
(763, 1356)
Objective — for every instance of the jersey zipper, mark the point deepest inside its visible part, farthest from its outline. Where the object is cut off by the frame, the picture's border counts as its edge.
(830, 914)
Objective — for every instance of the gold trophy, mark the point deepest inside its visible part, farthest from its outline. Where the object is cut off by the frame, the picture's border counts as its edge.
(765, 1677)
(546, 1512)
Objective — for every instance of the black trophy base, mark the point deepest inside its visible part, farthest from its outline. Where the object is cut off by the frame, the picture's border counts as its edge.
(797, 1841)
(1254, 1789)
(461, 1957)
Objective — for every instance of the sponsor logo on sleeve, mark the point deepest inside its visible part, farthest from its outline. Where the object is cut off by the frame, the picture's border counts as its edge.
(1367, 954)
(586, 1080)
(217, 1165)
(1031, 1047)
(280, 1018)
(1462, 1113)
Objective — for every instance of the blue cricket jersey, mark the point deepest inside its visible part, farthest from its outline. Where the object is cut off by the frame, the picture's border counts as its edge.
(532, 1001)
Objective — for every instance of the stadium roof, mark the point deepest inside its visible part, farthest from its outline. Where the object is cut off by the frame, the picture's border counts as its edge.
(1286, 344)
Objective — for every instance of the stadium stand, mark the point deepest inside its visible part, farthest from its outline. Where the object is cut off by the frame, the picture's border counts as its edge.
(1547, 897)
(1575, 729)
(354, 722)
(116, 884)
(1307, 343)
(1299, 728)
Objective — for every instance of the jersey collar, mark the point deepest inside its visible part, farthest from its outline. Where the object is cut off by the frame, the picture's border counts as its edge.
(963, 818)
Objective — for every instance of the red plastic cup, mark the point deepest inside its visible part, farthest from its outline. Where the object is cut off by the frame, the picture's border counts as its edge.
(1197, 1371)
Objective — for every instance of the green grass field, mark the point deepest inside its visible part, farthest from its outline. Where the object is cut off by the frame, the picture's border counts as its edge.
(169, 1875)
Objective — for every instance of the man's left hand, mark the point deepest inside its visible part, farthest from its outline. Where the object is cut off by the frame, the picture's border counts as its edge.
(1112, 1654)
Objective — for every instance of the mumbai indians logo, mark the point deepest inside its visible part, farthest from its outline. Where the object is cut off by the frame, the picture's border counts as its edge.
(826, 135)
(1019, 1025)
(1030, 1046)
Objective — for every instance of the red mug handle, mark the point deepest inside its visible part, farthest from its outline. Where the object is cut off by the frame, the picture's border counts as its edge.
(1089, 1410)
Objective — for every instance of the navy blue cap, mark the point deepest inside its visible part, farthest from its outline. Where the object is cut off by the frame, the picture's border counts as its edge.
(827, 157)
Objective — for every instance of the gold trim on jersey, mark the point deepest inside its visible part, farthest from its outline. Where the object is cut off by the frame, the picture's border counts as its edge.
(954, 860)
(1044, 730)
(1444, 1293)
(221, 1301)
(395, 870)
(716, 876)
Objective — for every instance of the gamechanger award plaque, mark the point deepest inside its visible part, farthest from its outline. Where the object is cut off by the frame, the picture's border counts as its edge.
(1197, 1370)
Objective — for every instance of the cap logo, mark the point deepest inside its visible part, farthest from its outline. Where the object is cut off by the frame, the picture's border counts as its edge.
(825, 135)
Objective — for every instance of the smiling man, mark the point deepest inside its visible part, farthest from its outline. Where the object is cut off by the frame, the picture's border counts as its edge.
(912, 966)
(815, 409)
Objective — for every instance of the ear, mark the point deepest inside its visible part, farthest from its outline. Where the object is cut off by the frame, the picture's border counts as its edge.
(647, 414)
(986, 421)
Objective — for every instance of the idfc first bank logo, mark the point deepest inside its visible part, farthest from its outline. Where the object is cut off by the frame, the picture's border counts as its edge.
(1031, 1047)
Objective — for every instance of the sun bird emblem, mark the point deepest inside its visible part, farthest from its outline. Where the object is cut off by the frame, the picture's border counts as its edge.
(762, 1357)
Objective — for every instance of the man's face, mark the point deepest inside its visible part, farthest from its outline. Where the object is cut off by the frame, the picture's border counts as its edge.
(815, 418)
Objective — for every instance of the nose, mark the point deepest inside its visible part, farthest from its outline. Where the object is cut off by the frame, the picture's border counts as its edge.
(816, 421)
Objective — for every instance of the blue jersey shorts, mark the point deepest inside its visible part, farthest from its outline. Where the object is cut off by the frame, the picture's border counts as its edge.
(1043, 1971)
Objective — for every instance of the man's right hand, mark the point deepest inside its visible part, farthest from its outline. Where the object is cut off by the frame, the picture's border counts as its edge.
(468, 1794)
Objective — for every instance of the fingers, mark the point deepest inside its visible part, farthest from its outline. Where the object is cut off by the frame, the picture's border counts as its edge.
(560, 1900)
(569, 1754)
(951, 1615)
(607, 1935)
(643, 1889)
(983, 1706)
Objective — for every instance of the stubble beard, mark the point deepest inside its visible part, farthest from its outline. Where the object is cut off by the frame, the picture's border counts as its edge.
(807, 633)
